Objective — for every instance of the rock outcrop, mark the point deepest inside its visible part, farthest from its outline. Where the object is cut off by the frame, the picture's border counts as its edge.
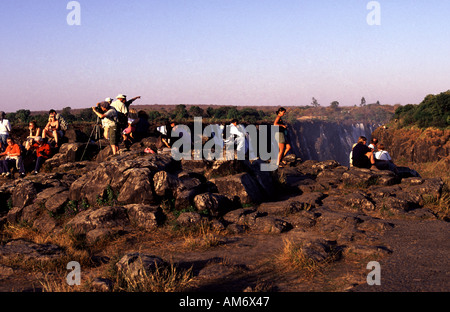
(416, 145)
(135, 192)
(131, 188)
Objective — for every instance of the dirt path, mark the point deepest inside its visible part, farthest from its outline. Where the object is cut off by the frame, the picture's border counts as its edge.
(420, 261)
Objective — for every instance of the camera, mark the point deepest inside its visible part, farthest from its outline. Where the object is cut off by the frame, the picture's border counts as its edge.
(98, 109)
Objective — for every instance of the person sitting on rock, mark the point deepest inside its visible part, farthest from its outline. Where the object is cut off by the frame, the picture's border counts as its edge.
(53, 129)
(351, 155)
(35, 131)
(141, 126)
(362, 156)
(373, 144)
(43, 152)
(383, 160)
(128, 133)
(13, 159)
(166, 131)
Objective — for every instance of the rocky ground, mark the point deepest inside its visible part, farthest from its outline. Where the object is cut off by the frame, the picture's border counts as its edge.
(310, 226)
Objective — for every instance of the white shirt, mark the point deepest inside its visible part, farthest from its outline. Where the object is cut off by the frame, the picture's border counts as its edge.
(236, 130)
(5, 126)
(382, 155)
(120, 107)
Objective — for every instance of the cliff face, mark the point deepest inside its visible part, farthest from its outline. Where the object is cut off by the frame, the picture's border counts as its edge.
(320, 140)
(416, 145)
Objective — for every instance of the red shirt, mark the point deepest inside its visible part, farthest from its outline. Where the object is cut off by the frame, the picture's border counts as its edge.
(43, 150)
(12, 149)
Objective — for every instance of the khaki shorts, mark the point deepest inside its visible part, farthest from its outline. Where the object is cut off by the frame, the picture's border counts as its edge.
(113, 137)
(279, 137)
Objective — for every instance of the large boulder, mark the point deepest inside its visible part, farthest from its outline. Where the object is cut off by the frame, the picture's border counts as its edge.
(165, 183)
(294, 204)
(29, 250)
(24, 194)
(223, 168)
(72, 152)
(104, 217)
(215, 204)
(241, 185)
(145, 216)
(135, 264)
(92, 185)
(137, 187)
(114, 175)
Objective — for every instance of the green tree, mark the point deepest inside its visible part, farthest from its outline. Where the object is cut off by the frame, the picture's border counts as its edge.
(154, 115)
(233, 113)
(196, 111)
(23, 116)
(67, 114)
(180, 113)
(334, 104)
(314, 102)
(363, 102)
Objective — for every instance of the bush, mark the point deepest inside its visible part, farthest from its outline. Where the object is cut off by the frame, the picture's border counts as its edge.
(434, 111)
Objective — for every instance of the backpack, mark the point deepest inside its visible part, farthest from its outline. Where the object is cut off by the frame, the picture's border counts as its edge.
(122, 120)
(62, 122)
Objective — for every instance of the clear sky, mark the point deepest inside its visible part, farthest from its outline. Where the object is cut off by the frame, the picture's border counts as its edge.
(224, 52)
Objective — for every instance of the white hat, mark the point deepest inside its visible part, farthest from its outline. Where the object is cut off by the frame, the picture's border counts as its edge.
(109, 100)
(121, 96)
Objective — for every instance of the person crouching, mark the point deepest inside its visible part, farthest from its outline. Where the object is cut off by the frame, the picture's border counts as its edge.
(43, 152)
(13, 159)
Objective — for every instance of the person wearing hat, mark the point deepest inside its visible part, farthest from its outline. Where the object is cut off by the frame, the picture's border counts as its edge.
(5, 129)
(119, 104)
(122, 112)
(109, 120)
(13, 158)
(43, 152)
(126, 104)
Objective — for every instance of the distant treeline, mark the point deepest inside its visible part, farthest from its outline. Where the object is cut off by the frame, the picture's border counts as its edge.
(374, 113)
(434, 111)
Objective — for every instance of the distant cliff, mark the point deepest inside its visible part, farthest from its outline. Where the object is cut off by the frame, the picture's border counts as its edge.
(416, 145)
(323, 140)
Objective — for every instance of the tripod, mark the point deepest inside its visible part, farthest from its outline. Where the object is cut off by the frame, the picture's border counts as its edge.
(96, 133)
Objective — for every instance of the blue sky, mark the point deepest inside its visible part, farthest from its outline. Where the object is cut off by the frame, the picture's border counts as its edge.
(223, 52)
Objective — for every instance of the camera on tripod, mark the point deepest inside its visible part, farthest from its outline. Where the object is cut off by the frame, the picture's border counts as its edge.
(98, 109)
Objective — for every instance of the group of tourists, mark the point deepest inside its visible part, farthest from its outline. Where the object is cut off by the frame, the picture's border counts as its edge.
(237, 138)
(120, 122)
(374, 156)
(123, 124)
(37, 143)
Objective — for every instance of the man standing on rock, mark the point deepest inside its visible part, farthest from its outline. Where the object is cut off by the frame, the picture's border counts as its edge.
(122, 106)
(111, 119)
